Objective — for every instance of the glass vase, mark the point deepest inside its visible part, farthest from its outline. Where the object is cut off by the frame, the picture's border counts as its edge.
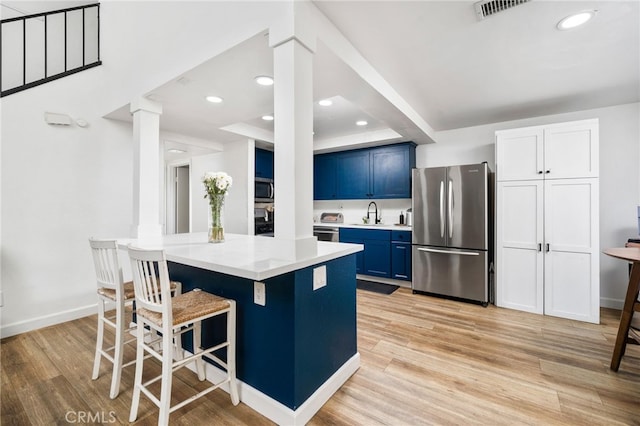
(216, 219)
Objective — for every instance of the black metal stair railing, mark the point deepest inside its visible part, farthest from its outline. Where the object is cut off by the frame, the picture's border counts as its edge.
(38, 48)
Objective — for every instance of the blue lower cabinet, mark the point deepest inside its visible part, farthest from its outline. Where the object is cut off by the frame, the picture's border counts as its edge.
(401, 261)
(375, 260)
(401, 255)
(354, 236)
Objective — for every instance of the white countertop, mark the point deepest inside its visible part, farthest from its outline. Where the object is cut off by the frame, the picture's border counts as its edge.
(392, 227)
(246, 256)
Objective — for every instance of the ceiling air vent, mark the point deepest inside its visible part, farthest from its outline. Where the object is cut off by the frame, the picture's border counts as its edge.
(486, 8)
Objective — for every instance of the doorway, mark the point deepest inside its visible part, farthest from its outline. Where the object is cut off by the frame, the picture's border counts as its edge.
(182, 200)
(178, 199)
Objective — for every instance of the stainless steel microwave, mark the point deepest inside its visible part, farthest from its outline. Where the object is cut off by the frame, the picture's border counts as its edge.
(264, 190)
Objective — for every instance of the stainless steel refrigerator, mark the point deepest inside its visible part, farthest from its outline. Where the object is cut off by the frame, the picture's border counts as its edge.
(451, 235)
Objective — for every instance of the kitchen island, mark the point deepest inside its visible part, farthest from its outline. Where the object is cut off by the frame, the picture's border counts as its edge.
(296, 341)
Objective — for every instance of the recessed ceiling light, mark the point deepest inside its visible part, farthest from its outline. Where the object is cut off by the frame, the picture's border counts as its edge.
(214, 99)
(361, 123)
(325, 102)
(267, 117)
(264, 80)
(575, 20)
(176, 151)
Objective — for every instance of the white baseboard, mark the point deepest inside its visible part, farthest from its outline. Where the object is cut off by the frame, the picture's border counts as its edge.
(274, 410)
(7, 330)
(607, 302)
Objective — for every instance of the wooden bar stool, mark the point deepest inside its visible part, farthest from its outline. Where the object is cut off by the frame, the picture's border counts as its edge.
(113, 290)
(631, 303)
(172, 317)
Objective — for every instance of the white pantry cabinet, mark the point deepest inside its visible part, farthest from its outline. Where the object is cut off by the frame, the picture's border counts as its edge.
(547, 234)
(519, 239)
(556, 151)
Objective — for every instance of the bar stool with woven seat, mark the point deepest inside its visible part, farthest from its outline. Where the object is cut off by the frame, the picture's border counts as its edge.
(113, 289)
(173, 317)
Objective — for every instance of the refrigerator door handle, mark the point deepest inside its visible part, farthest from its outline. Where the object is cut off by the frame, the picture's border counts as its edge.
(441, 209)
(450, 202)
(463, 253)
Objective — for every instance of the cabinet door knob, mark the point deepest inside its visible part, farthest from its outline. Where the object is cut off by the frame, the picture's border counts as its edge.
(539, 172)
(548, 171)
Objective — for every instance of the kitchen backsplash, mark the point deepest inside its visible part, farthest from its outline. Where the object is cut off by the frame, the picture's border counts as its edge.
(354, 210)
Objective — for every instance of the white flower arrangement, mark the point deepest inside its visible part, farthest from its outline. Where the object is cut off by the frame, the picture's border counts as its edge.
(216, 183)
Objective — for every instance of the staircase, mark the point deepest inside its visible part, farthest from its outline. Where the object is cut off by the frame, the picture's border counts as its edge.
(38, 48)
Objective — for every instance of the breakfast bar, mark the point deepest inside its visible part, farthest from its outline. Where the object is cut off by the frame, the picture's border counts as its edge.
(296, 317)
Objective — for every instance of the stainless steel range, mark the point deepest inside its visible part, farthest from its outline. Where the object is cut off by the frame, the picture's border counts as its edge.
(263, 220)
(326, 232)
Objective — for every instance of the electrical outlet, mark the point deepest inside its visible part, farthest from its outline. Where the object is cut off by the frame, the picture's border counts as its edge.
(259, 293)
(319, 277)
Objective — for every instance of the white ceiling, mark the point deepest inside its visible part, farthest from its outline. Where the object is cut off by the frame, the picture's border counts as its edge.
(457, 71)
(452, 69)
(231, 77)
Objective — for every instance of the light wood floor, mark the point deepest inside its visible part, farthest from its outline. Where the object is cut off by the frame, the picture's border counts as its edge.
(424, 361)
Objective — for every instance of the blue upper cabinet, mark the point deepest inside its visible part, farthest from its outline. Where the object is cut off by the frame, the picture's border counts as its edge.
(264, 163)
(353, 174)
(382, 172)
(324, 177)
(391, 171)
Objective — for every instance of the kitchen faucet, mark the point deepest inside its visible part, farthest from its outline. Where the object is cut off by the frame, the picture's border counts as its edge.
(376, 211)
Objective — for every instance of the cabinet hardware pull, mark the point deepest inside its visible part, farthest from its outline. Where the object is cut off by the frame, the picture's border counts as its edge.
(539, 172)
(547, 247)
(539, 246)
(548, 171)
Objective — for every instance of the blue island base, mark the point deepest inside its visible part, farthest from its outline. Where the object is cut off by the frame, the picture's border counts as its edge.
(294, 352)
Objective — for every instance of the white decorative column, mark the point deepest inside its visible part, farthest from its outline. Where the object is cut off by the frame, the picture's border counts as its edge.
(146, 169)
(293, 45)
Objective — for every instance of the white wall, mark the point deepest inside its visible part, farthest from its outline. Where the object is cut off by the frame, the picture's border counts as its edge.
(239, 164)
(200, 205)
(619, 176)
(61, 185)
(237, 161)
